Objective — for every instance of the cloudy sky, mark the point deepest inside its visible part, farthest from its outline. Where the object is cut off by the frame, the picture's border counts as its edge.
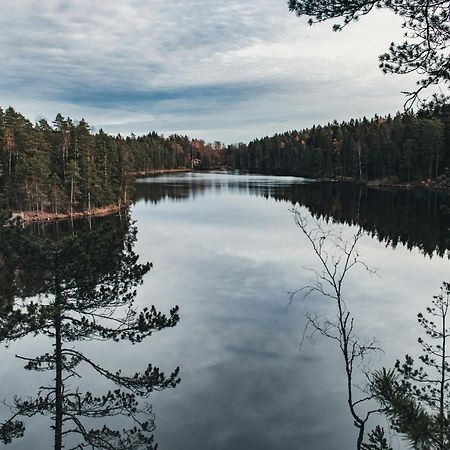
(228, 71)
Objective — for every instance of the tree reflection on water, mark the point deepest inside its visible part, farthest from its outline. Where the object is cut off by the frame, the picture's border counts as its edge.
(416, 218)
(71, 287)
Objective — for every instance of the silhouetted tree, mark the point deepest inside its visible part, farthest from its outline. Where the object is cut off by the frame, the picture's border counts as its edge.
(427, 32)
(377, 440)
(85, 283)
(337, 257)
(417, 399)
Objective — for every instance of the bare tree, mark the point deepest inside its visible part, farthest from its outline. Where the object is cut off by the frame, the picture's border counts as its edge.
(338, 255)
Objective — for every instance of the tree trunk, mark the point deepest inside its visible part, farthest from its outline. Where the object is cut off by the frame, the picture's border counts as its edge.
(442, 383)
(71, 197)
(58, 370)
(359, 162)
(56, 200)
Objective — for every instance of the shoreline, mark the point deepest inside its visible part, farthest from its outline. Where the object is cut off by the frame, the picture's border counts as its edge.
(402, 185)
(391, 183)
(156, 172)
(28, 217)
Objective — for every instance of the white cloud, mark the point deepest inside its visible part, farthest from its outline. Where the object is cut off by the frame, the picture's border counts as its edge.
(223, 70)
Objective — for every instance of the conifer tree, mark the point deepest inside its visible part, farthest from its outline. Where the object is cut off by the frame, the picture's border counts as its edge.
(417, 398)
(86, 284)
(426, 26)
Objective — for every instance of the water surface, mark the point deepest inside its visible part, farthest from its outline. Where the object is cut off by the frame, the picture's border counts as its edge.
(226, 249)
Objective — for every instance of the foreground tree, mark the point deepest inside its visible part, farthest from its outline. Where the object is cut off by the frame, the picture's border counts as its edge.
(85, 283)
(337, 256)
(417, 399)
(427, 33)
(377, 440)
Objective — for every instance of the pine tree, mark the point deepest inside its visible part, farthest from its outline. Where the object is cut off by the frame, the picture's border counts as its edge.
(426, 25)
(377, 440)
(417, 399)
(87, 283)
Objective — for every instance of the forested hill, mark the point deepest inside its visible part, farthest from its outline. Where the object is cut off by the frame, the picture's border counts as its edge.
(64, 166)
(409, 147)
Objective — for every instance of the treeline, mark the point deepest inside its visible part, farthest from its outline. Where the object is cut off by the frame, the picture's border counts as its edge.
(64, 167)
(410, 147)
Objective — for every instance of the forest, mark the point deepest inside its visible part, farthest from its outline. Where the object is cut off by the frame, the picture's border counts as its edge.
(65, 166)
(410, 147)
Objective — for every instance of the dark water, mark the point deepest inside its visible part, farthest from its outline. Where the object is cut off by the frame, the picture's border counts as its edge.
(226, 249)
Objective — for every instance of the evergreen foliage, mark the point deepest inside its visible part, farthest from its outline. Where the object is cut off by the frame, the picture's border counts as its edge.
(409, 148)
(81, 287)
(417, 398)
(64, 167)
(425, 49)
(377, 440)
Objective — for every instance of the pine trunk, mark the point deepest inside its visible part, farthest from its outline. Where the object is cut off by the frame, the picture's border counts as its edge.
(58, 368)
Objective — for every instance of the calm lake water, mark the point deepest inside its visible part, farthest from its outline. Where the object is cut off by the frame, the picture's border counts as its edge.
(226, 249)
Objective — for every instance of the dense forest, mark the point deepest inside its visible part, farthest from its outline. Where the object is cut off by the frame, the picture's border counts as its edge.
(64, 166)
(410, 147)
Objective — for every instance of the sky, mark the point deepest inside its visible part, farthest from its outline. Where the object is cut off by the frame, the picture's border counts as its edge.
(228, 71)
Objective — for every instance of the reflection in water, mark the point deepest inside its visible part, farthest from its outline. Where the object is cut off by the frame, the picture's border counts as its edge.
(241, 252)
(73, 287)
(230, 257)
(416, 218)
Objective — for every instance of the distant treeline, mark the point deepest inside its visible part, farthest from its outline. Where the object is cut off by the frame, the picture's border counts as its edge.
(63, 166)
(409, 147)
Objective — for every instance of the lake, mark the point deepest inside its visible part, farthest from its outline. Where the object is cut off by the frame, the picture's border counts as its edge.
(226, 249)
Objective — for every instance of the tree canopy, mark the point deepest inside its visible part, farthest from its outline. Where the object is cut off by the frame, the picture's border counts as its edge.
(77, 287)
(426, 25)
(417, 398)
(411, 147)
(64, 167)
